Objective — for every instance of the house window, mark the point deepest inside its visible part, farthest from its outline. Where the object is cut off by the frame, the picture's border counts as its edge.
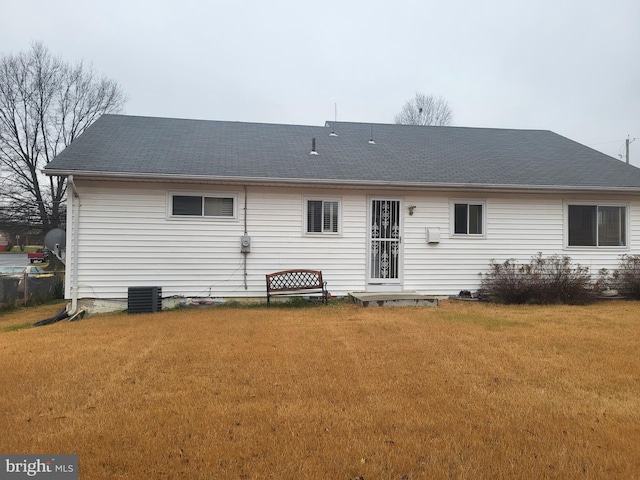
(323, 216)
(468, 218)
(597, 225)
(202, 206)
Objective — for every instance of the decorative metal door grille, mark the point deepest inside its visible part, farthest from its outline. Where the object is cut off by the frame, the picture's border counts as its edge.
(384, 250)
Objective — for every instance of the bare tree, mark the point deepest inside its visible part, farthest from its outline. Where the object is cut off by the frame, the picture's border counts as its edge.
(45, 104)
(425, 110)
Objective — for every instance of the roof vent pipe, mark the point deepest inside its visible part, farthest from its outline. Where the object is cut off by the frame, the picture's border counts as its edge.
(371, 135)
(313, 147)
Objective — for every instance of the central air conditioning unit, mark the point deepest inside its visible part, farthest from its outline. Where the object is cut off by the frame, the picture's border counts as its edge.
(144, 299)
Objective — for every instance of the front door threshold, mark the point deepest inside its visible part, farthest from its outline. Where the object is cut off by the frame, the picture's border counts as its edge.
(384, 288)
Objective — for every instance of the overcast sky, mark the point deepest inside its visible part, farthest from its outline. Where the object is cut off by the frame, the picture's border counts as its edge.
(571, 66)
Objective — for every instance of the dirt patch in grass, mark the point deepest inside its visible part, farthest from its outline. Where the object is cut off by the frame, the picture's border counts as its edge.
(465, 390)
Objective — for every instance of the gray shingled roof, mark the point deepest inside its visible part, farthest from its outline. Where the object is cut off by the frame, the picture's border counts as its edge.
(401, 155)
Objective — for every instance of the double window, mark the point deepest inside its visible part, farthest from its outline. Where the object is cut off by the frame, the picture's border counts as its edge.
(323, 216)
(183, 205)
(596, 225)
(468, 218)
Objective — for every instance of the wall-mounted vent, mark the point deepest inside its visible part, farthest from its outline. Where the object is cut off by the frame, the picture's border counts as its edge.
(144, 299)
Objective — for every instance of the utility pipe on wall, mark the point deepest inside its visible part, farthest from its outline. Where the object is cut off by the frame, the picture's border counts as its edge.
(246, 233)
(75, 212)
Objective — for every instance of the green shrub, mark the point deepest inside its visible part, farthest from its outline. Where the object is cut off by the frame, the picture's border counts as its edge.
(541, 281)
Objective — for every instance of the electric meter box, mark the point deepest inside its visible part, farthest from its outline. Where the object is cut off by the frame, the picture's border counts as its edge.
(245, 244)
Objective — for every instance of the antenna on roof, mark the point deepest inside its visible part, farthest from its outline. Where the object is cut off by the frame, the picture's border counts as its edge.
(627, 142)
(371, 135)
(333, 133)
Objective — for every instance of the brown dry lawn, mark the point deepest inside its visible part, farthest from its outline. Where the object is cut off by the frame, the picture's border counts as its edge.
(465, 391)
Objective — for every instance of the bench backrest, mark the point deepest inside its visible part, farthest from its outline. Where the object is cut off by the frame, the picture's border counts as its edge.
(294, 280)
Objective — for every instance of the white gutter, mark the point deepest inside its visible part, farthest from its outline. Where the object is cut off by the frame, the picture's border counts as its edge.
(75, 212)
(359, 184)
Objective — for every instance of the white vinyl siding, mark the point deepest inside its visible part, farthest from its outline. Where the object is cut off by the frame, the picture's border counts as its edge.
(128, 239)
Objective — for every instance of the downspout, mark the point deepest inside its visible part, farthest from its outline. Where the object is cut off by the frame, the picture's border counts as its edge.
(246, 234)
(74, 251)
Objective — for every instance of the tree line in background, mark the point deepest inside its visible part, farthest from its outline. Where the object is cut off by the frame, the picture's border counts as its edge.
(45, 103)
(425, 110)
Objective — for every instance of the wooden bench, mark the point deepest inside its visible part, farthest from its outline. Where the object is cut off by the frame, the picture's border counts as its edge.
(296, 282)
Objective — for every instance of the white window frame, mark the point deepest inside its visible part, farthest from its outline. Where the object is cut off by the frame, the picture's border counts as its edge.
(202, 195)
(597, 204)
(452, 218)
(305, 214)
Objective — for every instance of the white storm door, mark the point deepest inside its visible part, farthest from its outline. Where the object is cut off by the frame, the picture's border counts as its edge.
(385, 241)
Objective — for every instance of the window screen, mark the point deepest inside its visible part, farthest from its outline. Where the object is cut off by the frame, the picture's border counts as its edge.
(597, 226)
(468, 219)
(199, 206)
(322, 216)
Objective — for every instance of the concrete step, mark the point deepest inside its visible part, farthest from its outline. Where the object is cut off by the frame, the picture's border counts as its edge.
(393, 299)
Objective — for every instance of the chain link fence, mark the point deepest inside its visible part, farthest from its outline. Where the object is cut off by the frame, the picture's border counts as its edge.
(30, 289)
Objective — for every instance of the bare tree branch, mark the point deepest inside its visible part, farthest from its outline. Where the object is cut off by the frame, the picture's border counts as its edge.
(45, 104)
(425, 110)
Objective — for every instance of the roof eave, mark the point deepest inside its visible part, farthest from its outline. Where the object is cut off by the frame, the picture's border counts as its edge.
(359, 184)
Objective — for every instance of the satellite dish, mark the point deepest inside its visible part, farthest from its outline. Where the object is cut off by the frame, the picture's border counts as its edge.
(56, 240)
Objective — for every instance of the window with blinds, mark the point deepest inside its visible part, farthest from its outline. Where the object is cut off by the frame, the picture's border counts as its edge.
(323, 216)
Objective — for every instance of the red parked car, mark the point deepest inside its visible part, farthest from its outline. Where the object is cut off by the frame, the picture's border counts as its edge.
(40, 255)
